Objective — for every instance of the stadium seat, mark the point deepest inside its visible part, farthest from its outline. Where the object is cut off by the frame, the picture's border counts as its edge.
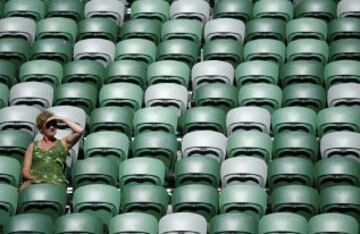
(133, 222)
(66, 8)
(345, 94)
(183, 222)
(33, 9)
(148, 29)
(99, 50)
(256, 72)
(168, 72)
(179, 49)
(8, 202)
(301, 71)
(343, 28)
(29, 223)
(10, 171)
(74, 113)
(15, 50)
(345, 49)
(56, 27)
(324, 10)
(307, 49)
(226, 50)
(233, 222)
(127, 71)
(78, 223)
(187, 9)
(333, 223)
(7, 73)
(100, 28)
(342, 71)
(348, 8)
(182, 29)
(224, 28)
(4, 95)
(310, 28)
(17, 27)
(111, 9)
(265, 49)
(150, 9)
(52, 49)
(241, 10)
(278, 9)
(136, 49)
(13, 144)
(283, 222)
(266, 28)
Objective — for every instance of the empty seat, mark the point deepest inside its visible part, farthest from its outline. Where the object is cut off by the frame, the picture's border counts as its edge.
(7, 73)
(256, 72)
(15, 50)
(343, 28)
(241, 10)
(203, 118)
(133, 222)
(233, 222)
(29, 223)
(196, 198)
(182, 29)
(52, 49)
(307, 49)
(10, 171)
(101, 28)
(266, 28)
(78, 223)
(142, 29)
(8, 202)
(224, 28)
(128, 71)
(333, 222)
(183, 222)
(66, 8)
(342, 71)
(301, 71)
(187, 9)
(344, 49)
(310, 28)
(325, 10)
(346, 94)
(111, 9)
(278, 9)
(168, 72)
(14, 143)
(100, 50)
(265, 49)
(283, 222)
(149, 9)
(56, 27)
(136, 49)
(226, 50)
(178, 49)
(17, 27)
(348, 8)
(4, 95)
(33, 9)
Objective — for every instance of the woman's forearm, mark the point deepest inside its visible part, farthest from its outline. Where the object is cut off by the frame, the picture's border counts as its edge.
(73, 125)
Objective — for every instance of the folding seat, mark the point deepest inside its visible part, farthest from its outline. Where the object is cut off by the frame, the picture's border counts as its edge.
(179, 49)
(142, 29)
(243, 170)
(182, 29)
(17, 27)
(44, 71)
(36, 94)
(338, 119)
(99, 50)
(187, 9)
(172, 96)
(348, 8)
(196, 198)
(155, 119)
(266, 28)
(133, 222)
(124, 95)
(307, 49)
(343, 28)
(224, 28)
(150, 9)
(301, 71)
(220, 95)
(342, 71)
(111, 9)
(197, 170)
(346, 94)
(128, 71)
(203, 118)
(33, 9)
(8, 203)
(7, 73)
(14, 143)
(249, 143)
(343, 199)
(48, 199)
(158, 145)
(15, 50)
(333, 223)
(100, 200)
(265, 49)
(248, 118)
(52, 49)
(29, 223)
(101, 28)
(241, 10)
(233, 223)
(204, 143)
(245, 198)
(344, 49)
(10, 171)
(66, 8)
(306, 28)
(140, 171)
(226, 50)
(85, 71)
(283, 222)
(321, 9)
(136, 49)
(336, 171)
(4, 95)
(111, 118)
(78, 223)
(295, 144)
(168, 71)
(147, 198)
(278, 9)
(256, 72)
(187, 222)
(56, 27)
(108, 144)
(340, 144)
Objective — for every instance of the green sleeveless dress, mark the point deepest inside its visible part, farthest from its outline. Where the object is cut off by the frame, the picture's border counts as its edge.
(48, 165)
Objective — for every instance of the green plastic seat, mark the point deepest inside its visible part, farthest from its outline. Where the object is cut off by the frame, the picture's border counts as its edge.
(109, 144)
(29, 223)
(344, 94)
(336, 171)
(8, 203)
(249, 143)
(188, 29)
(223, 96)
(103, 28)
(226, 50)
(278, 9)
(114, 10)
(78, 223)
(10, 171)
(339, 118)
(183, 222)
(342, 71)
(283, 222)
(48, 199)
(321, 9)
(343, 199)
(295, 144)
(265, 49)
(333, 223)
(179, 49)
(34, 9)
(348, 8)
(7, 73)
(66, 8)
(159, 145)
(187, 9)
(15, 50)
(147, 198)
(343, 28)
(36, 94)
(233, 223)
(133, 222)
(301, 71)
(56, 27)
(168, 72)
(268, 96)
(52, 49)
(345, 49)
(4, 95)
(111, 118)
(241, 10)
(310, 28)
(148, 29)
(121, 95)
(128, 71)
(100, 200)
(45, 71)
(155, 119)
(256, 72)
(14, 143)
(299, 119)
(266, 28)
(136, 49)
(196, 198)
(203, 118)
(85, 71)
(305, 95)
(149, 9)
(140, 171)
(307, 49)
(197, 170)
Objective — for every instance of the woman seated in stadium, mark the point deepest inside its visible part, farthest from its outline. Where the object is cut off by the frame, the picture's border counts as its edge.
(44, 160)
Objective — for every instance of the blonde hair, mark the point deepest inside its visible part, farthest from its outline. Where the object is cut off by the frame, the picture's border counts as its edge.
(42, 118)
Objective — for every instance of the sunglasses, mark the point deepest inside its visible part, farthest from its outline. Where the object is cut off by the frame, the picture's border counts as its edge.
(52, 123)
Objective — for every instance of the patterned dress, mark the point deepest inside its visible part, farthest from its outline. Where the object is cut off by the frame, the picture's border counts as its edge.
(48, 165)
